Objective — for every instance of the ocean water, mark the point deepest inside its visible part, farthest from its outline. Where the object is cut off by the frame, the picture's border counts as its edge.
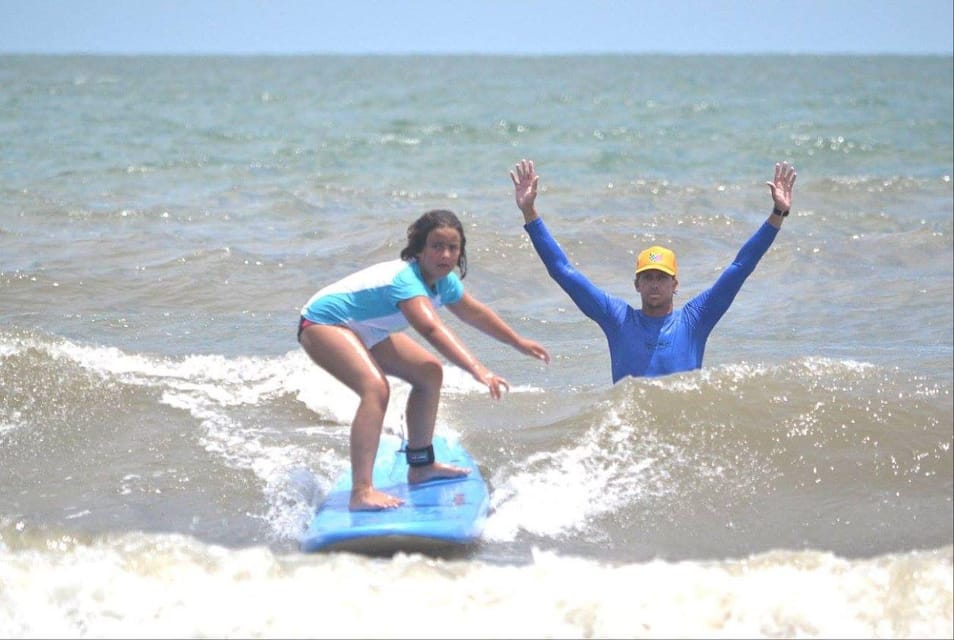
(163, 440)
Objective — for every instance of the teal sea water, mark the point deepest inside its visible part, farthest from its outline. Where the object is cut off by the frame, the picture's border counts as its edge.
(163, 440)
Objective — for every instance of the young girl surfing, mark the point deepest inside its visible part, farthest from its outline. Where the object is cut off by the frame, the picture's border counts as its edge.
(352, 329)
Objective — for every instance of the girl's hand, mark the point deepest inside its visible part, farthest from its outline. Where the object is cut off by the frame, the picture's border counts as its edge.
(495, 383)
(533, 349)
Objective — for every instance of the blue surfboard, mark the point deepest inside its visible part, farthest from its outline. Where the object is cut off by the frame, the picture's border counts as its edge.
(435, 515)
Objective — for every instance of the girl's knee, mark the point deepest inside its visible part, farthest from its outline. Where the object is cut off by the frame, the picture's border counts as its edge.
(431, 374)
(378, 393)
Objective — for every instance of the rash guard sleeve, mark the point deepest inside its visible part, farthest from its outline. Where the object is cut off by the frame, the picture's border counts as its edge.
(595, 303)
(707, 308)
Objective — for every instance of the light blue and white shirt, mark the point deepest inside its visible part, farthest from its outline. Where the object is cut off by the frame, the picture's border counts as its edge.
(367, 300)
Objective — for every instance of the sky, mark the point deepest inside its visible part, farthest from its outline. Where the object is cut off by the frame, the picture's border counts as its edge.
(524, 27)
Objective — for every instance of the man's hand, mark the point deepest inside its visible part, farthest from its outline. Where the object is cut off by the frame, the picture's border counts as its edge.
(525, 188)
(781, 186)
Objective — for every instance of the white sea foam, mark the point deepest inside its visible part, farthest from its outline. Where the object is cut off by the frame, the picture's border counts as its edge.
(172, 586)
(604, 470)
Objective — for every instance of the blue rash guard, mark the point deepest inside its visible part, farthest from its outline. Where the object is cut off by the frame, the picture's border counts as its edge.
(641, 345)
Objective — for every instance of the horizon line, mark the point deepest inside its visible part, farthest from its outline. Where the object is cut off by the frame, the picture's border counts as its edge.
(502, 54)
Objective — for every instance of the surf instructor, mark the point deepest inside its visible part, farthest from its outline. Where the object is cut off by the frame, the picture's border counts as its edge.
(352, 329)
(655, 339)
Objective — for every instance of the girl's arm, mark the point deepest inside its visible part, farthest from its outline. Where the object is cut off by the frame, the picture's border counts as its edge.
(421, 314)
(483, 318)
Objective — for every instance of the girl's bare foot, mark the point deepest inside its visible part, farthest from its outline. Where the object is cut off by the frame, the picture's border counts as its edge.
(435, 471)
(370, 499)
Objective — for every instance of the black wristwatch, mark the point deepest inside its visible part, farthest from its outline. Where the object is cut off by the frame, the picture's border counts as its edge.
(778, 212)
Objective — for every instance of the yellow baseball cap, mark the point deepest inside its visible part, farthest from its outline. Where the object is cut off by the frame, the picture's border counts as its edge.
(659, 258)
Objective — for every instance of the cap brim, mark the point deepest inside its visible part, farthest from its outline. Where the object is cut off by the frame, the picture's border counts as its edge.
(656, 268)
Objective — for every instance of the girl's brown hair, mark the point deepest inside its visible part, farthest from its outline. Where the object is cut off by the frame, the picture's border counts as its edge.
(418, 231)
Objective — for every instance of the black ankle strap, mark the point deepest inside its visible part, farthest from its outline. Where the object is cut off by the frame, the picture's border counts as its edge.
(420, 457)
